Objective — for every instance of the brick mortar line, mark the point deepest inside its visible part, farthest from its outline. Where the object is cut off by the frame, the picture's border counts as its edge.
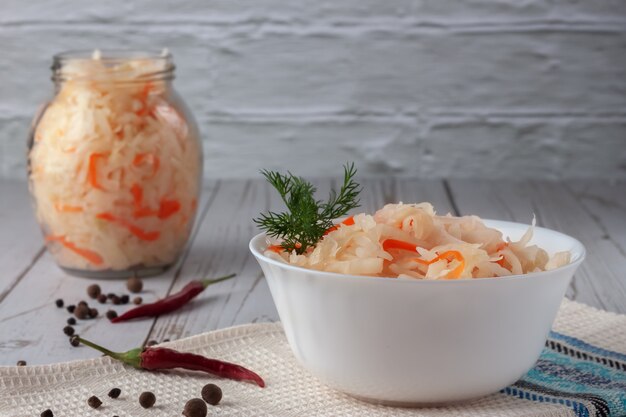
(304, 28)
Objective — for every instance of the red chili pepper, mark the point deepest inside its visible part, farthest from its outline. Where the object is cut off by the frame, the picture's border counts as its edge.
(170, 303)
(157, 358)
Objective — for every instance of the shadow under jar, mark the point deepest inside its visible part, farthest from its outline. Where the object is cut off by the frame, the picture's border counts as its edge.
(115, 165)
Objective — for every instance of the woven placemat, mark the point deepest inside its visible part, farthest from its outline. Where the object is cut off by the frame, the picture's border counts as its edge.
(291, 391)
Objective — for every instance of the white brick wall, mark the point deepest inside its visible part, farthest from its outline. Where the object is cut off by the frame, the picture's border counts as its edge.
(484, 88)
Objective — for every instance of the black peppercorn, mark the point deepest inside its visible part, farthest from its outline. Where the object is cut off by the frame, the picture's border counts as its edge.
(115, 392)
(74, 341)
(137, 300)
(212, 394)
(102, 299)
(71, 321)
(59, 303)
(147, 399)
(70, 308)
(124, 299)
(93, 313)
(111, 314)
(93, 290)
(68, 330)
(195, 408)
(134, 285)
(94, 402)
(21, 363)
(81, 312)
(47, 413)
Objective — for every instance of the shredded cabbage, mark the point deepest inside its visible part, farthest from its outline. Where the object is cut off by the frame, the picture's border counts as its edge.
(412, 241)
(115, 168)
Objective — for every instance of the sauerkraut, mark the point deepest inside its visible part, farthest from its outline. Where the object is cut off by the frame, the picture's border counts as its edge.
(412, 241)
(115, 166)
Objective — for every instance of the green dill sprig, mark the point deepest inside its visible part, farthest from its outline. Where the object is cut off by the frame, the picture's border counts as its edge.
(307, 219)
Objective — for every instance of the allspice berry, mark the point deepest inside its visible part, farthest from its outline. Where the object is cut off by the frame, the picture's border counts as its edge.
(68, 330)
(94, 402)
(195, 408)
(93, 313)
(137, 300)
(102, 298)
(47, 413)
(81, 312)
(147, 399)
(21, 363)
(74, 341)
(115, 392)
(93, 291)
(212, 394)
(111, 314)
(134, 284)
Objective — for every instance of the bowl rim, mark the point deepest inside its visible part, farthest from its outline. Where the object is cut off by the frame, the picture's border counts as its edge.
(579, 253)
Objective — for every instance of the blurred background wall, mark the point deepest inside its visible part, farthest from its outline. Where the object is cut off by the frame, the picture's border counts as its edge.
(473, 88)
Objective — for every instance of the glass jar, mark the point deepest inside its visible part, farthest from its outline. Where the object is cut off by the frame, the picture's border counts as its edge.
(115, 165)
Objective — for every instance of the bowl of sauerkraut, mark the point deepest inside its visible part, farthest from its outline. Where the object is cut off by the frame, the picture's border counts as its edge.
(406, 307)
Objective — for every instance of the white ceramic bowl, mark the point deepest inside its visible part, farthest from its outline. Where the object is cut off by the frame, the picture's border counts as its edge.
(410, 342)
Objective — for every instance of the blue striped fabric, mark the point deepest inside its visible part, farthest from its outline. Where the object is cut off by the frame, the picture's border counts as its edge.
(586, 378)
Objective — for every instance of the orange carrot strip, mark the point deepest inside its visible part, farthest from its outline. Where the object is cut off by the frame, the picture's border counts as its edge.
(92, 173)
(275, 248)
(448, 256)
(348, 222)
(167, 208)
(135, 230)
(64, 208)
(137, 191)
(148, 158)
(90, 255)
(398, 244)
(454, 255)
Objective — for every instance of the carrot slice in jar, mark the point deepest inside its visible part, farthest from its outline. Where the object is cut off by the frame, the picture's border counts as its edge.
(92, 170)
(89, 255)
(134, 229)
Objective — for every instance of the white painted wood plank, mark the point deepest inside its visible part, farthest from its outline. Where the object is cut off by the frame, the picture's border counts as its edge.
(221, 247)
(31, 325)
(21, 243)
(600, 281)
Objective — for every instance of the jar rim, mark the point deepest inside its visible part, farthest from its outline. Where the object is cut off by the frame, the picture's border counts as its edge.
(110, 58)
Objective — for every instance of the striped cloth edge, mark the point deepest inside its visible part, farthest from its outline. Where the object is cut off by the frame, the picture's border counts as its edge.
(586, 373)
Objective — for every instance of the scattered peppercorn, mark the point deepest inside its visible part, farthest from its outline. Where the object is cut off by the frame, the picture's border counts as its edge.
(151, 343)
(102, 299)
(71, 321)
(59, 303)
(115, 300)
(166, 340)
(68, 330)
(147, 399)
(94, 402)
(124, 299)
(47, 413)
(212, 394)
(115, 392)
(195, 408)
(93, 290)
(93, 313)
(74, 340)
(21, 363)
(134, 284)
(111, 314)
(83, 303)
(70, 308)
(137, 300)
(81, 312)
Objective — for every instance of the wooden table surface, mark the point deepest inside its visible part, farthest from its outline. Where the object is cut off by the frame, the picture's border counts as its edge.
(31, 325)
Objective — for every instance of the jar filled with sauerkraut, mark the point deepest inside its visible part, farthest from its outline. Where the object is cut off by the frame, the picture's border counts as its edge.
(115, 165)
